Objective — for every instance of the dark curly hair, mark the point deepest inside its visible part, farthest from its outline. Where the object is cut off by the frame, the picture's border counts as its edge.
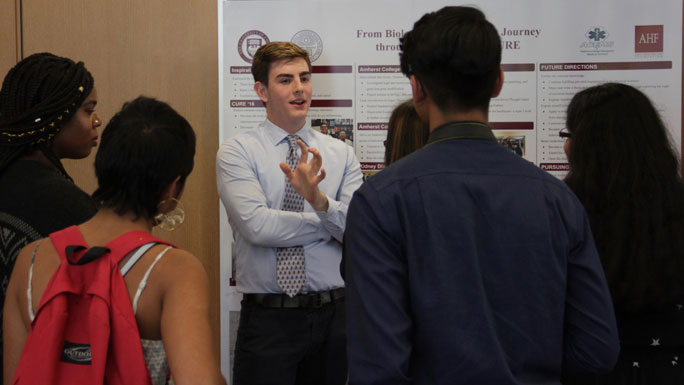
(625, 171)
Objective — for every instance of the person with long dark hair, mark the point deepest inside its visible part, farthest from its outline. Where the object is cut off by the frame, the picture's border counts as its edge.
(626, 173)
(47, 113)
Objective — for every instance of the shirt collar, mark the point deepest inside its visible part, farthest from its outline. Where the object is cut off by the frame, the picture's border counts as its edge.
(461, 130)
(277, 134)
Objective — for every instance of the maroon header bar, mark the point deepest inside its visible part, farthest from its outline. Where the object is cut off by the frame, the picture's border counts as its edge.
(372, 166)
(314, 103)
(612, 66)
(554, 166)
(372, 126)
(332, 69)
(247, 70)
(511, 125)
(241, 70)
(522, 67)
(374, 69)
(331, 103)
(246, 103)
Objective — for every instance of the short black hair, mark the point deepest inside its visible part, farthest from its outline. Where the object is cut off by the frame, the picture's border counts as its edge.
(144, 148)
(455, 54)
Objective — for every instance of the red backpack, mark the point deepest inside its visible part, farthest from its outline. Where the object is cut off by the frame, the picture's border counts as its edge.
(84, 331)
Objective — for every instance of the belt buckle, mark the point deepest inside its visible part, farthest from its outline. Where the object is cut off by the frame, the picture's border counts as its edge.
(288, 302)
(316, 301)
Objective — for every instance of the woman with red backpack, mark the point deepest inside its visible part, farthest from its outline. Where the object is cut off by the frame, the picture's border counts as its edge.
(106, 302)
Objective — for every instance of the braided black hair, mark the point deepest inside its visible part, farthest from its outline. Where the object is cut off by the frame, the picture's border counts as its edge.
(39, 95)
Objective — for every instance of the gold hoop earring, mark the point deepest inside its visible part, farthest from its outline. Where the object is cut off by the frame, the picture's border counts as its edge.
(170, 220)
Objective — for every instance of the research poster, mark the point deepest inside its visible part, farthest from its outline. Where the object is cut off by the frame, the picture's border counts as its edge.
(551, 50)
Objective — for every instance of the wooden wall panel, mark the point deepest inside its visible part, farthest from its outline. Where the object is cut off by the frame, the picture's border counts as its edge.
(165, 49)
(9, 35)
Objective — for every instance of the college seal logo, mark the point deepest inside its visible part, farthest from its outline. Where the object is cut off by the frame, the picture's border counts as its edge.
(310, 41)
(249, 43)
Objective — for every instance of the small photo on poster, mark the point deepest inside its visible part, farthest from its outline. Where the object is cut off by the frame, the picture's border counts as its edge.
(515, 143)
(368, 174)
(342, 129)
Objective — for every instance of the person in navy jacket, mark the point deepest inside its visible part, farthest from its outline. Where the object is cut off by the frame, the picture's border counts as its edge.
(465, 263)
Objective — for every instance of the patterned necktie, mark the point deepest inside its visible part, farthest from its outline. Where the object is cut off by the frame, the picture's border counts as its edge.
(291, 274)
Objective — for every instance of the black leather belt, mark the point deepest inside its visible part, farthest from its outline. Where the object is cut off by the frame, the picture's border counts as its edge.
(309, 300)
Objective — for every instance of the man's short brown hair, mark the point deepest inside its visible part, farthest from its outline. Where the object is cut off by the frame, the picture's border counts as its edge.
(272, 52)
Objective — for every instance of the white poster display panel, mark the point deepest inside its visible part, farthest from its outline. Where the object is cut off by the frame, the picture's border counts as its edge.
(551, 50)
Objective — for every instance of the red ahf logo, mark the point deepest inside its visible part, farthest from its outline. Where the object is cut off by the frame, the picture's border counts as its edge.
(648, 38)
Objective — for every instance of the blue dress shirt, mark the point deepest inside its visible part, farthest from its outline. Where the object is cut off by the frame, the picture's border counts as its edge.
(251, 186)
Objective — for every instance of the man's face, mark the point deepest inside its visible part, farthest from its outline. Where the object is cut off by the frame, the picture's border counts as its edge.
(343, 135)
(288, 94)
(324, 129)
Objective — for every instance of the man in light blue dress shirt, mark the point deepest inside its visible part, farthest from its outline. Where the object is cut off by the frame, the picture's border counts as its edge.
(285, 339)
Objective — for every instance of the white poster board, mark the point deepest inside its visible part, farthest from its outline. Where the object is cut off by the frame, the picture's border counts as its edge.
(552, 50)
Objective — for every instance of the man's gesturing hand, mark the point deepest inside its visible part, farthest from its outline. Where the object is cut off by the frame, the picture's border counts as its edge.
(307, 176)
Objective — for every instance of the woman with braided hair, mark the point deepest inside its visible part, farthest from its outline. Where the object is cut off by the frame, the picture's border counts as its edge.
(47, 113)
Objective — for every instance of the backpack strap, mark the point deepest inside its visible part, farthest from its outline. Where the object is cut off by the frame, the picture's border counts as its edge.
(29, 291)
(69, 241)
(69, 236)
(143, 281)
(123, 244)
(136, 257)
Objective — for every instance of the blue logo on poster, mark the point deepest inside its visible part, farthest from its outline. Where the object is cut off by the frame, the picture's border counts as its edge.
(597, 34)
